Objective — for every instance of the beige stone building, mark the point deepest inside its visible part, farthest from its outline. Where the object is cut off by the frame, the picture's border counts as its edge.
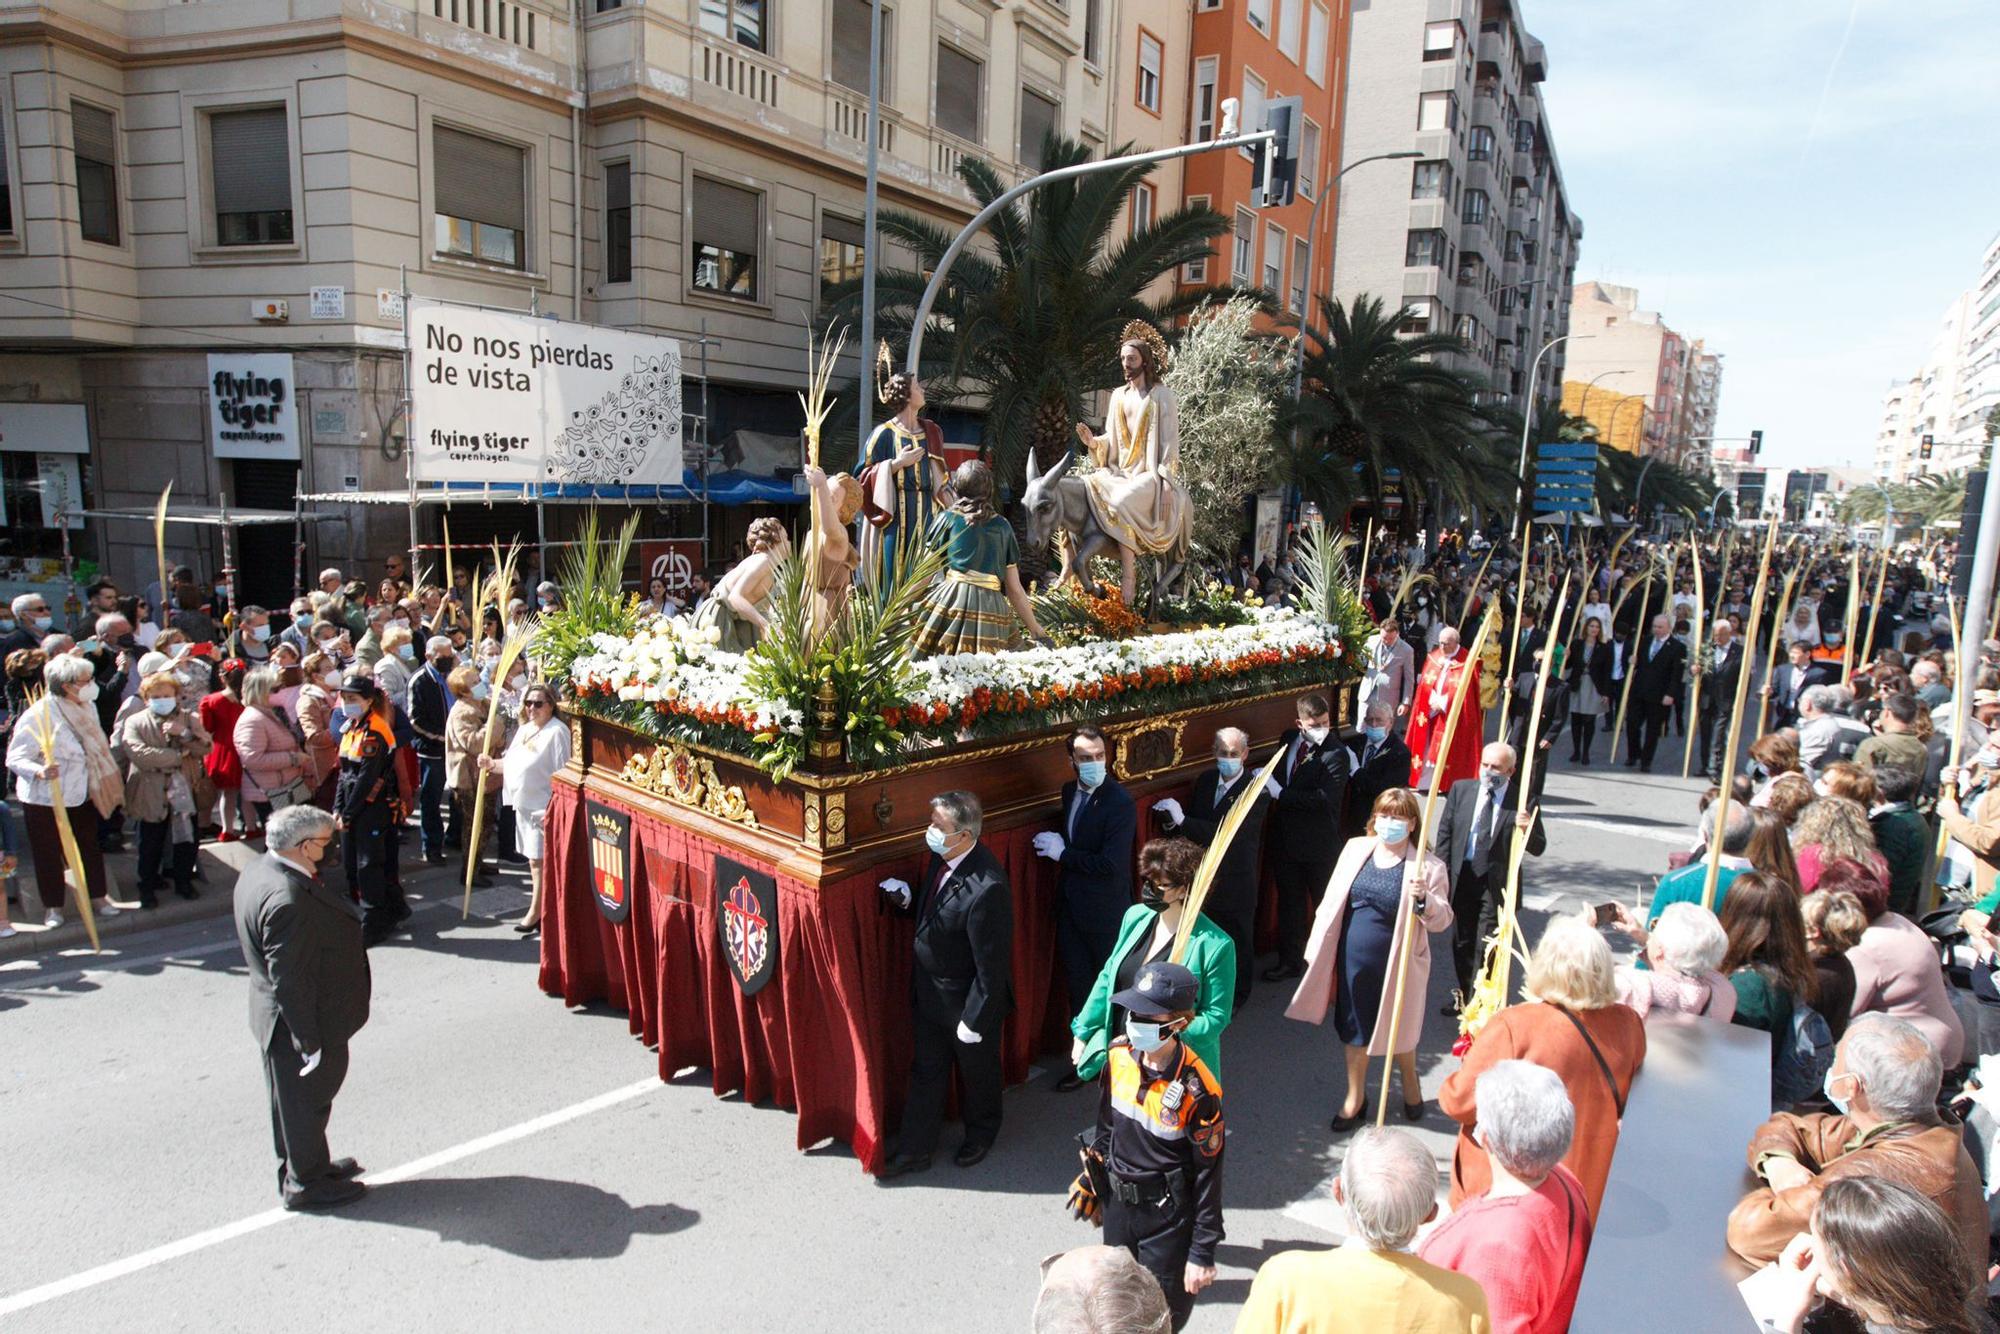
(233, 178)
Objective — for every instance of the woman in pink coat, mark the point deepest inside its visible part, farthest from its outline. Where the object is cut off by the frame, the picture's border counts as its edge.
(273, 759)
(1376, 889)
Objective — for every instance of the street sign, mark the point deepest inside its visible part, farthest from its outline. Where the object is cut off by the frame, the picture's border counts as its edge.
(1566, 450)
(1563, 506)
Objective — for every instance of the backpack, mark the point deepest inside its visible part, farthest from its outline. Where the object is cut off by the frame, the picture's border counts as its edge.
(1800, 1057)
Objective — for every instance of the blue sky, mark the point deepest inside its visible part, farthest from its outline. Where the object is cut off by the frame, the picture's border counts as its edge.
(1804, 183)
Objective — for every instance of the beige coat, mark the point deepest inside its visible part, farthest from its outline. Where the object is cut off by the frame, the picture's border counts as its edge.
(155, 756)
(1314, 996)
(464, 737)
(316, 721)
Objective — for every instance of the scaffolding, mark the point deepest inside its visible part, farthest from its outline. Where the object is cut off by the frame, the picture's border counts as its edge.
(204, 516)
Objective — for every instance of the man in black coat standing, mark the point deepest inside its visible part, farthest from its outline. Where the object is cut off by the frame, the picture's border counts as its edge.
(1475, 838)
(1657, 675)
(430, 706)
(309, 992)
(1721, 665)
(960, 987)
(1790, 681)
(1232, 898)
(1310, 786)
(1093, 844)
(1381, 760)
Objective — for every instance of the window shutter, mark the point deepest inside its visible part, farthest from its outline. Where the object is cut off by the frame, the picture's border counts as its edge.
(618, 185)
(958, 93)
(1038, 119)
(725, 216)
(250, 157)
(850, 43)
(480, 180)
(94, 132)
(845, 231)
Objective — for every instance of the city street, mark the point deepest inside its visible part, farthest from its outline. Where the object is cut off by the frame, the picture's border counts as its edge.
(530, 1172)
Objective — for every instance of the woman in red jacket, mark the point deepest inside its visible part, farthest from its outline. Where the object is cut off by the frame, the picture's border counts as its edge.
(218, 713)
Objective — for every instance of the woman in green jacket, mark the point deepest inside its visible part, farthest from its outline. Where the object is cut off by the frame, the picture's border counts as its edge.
(1166, 874)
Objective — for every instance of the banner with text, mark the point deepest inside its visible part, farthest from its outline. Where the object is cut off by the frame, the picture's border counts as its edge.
(498, 397)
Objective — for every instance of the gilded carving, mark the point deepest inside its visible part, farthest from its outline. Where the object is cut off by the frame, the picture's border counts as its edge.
(836, 819)
(690, 780)
(1150, 749)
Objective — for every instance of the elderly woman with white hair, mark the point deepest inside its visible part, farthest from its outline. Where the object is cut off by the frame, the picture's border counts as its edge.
(1683, 949)
(1387, 1189)
(1572, 1023)
(81, 765)
(1524, 1241)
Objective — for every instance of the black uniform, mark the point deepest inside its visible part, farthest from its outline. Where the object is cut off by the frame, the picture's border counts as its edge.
(364, 798)
(1656, 675)
(1312, 789)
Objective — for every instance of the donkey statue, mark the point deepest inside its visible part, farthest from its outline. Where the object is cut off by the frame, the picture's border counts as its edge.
(1056, 502)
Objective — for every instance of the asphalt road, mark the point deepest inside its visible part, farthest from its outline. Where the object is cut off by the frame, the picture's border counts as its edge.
(530, 1174)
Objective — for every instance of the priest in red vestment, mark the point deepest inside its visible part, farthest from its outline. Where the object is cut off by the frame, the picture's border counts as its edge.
(1438, 691)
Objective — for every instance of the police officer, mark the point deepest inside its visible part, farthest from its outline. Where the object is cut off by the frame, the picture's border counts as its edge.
(364, 798)
(1153, 1167)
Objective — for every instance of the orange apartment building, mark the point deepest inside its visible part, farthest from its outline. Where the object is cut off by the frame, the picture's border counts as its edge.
(1258, 51)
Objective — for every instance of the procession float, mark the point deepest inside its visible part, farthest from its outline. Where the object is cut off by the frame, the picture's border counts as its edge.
(743, 778)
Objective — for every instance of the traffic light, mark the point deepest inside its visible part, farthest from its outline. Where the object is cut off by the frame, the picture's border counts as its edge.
(1275, 180)
(1924, 449)
(1756, 443)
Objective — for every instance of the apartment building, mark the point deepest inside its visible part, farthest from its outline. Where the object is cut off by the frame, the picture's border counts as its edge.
(1621, 352)
(1258, 52)
(189, 190)
(1954, 395)
(1477, 237)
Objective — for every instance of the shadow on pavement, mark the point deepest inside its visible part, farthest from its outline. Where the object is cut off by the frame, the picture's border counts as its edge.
(532, 1217)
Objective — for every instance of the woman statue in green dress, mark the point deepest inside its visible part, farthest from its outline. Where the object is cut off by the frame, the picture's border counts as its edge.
(904, 480)
(739, 608)
(977, 605)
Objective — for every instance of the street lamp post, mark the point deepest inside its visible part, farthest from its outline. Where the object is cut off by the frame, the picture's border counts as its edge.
(869, 243)
(1527, 424)
(1312, 243)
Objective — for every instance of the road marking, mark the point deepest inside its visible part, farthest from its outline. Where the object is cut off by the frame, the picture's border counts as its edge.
(216, 1236)
(1677, 837)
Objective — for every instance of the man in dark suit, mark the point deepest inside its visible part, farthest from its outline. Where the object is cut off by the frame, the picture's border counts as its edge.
(1232, 898)
(1656, 684)
(1093, 843)
(1310, 786)
(430, 706)
(1555, 706)
(1790, 681)
(960, 988)
(1722, 665)
(1475, 838)
(309, 990)
(1380, 760)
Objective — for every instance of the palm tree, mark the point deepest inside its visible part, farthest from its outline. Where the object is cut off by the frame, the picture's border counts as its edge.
(1376, 400)
(1618, 489)
(1865, 504)
(1031, 325)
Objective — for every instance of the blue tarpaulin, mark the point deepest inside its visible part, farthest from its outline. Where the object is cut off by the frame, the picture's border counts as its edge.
(724, 488)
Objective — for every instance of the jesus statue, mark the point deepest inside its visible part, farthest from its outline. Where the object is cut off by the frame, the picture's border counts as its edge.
(1135, 488)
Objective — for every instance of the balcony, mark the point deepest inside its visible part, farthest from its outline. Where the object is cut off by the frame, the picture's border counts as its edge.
(847, 120)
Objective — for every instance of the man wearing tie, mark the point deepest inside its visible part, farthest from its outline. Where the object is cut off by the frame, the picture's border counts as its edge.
(1722, 665)
(1390, 673)
(1475, 836)
(1381, 761)
(1656, 684)
(960, 987)
(1790, 681)
(1232, 897)
(1094, 887)
(1310, 785)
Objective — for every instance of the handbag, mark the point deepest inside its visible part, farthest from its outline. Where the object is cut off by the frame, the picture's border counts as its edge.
(295, 793)
(1603, 1066)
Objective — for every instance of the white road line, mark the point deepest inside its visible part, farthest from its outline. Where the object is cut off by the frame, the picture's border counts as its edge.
(215, 1236)
(1678, 837)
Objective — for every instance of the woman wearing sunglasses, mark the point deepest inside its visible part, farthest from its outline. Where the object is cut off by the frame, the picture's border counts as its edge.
(527, 768)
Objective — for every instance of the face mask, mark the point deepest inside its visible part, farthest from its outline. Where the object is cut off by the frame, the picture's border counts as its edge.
(1315, 734)
(88, 694)
(1090, 773)
(1827, 1088)
(1820, 789)
(330, 679)
(345, 712)
(162, 707)
(1393, 831)
(480, 690)
(1989, 759)
(260, 633)
(91, 645)
(399, 624)
(444, 665)
(1228, 766)
(1492, 777)
(407, 652)
(6, 624)
(1152, 896)
(935, 840)
(547, 605)
(1147, 1037)
(1376, 734)
(42, 623)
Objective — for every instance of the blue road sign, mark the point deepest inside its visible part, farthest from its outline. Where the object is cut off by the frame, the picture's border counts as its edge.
(1563, 506)
(1566, 450)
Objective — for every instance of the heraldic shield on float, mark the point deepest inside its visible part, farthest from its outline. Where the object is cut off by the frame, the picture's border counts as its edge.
(746, 917)
(610, 860)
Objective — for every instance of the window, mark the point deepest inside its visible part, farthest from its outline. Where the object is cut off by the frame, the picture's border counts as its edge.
(1524, 137)
(1426, 249)
(1252, 109)
(1309, 160)
(1440, 40)
(481, 189)
(1259, 14)
(745, 22)
(1475, 206)
(1093, 27)
(726, 233)
(1316, 22)
(94, 137)
(1300, 267)
(6, 185)
(1204, 99)
(617, 222)
(1289, 16)
(1430, 180)
(1150, 55)
(1479, 144)
(250, 172)
(1240, 257)
(1038, 122)
(958, 93)
(841, 250)
(1144, 201)
(1208, 4)
(851, 19)
(1468, 329)
(1418, 316)
(1437, 111)
(1196, 270)
(1274, 257)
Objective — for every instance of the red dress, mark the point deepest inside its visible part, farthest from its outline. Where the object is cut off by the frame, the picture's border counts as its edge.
(1426, 731)
(218, 713)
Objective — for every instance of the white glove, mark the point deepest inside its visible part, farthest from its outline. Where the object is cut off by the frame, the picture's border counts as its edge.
(900, 888)
(1049, 845)
(967, 1036)
(1271, 788)
(1172, 808)
(312, 1063)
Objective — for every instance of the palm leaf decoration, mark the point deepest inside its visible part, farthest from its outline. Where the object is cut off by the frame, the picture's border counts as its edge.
(1321, 553)
(1218, 848)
